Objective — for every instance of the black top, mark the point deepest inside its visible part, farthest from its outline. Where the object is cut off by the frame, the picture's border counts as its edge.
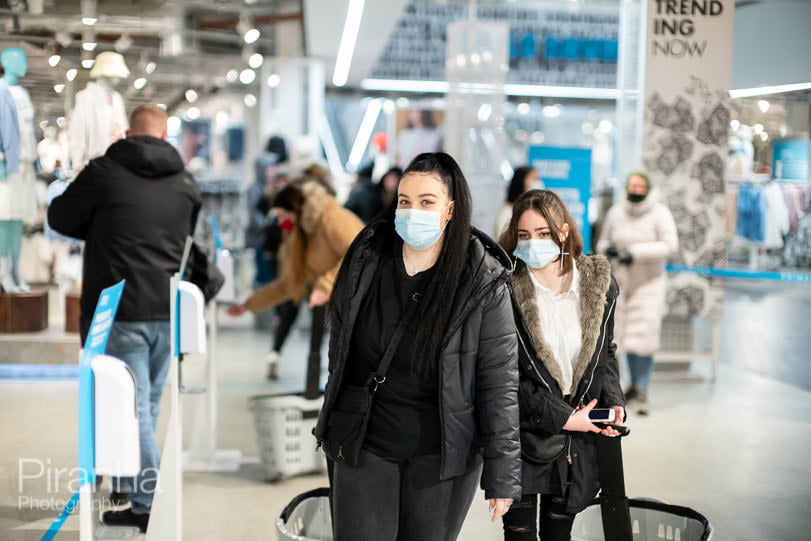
(134, 208)
(405, 419)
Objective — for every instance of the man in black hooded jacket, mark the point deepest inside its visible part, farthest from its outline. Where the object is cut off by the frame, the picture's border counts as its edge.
(134, 208)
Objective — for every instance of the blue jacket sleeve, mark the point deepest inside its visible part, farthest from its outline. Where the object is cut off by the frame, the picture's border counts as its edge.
(9, 132)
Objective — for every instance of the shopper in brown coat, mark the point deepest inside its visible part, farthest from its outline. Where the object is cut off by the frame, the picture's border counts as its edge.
(318, 233)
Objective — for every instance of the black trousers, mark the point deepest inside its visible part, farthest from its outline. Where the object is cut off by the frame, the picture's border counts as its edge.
(287, 312)
(555, 524)
(389, 500)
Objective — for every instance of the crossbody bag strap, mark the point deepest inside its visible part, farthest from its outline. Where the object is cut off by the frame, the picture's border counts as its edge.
(379, 375)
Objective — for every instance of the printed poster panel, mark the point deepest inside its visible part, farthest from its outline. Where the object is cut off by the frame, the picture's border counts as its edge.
(686, 122)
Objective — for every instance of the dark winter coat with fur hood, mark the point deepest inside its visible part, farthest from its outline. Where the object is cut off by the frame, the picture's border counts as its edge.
(543, 408)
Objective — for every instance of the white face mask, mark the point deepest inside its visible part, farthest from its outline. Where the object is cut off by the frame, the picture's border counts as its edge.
(537, 253)
(420, 229)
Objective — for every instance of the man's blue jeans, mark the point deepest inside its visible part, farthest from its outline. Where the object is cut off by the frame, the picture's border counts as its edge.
(144, 346)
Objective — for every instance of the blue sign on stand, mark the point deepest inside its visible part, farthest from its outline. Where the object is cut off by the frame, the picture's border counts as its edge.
(95, 345)
(567, 172)
(790, 160)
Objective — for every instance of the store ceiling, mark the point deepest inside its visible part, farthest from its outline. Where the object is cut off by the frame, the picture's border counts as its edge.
(193, 44)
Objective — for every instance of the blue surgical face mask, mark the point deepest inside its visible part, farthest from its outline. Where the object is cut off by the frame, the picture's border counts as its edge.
(419, 229)
(537, 253)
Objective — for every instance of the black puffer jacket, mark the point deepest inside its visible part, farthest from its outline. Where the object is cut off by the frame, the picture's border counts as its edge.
(478, 372)
(134, 208)
(544, 410)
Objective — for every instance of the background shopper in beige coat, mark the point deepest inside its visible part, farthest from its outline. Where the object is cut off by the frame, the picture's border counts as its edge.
(319, 232)
(639, 235)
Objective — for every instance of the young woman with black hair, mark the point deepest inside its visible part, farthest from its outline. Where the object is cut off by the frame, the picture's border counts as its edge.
(564, 305)
(446, 413)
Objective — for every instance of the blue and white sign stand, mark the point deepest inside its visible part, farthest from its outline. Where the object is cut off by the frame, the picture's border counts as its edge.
(95, 345)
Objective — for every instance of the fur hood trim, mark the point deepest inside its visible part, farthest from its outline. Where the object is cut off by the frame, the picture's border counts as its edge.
(316, 201)
(595, 280)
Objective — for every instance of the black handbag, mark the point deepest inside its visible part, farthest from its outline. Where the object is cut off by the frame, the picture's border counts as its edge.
(543, 449)
(203, 272)
(347, 422)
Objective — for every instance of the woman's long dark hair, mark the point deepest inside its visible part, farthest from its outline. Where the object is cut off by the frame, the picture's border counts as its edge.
(435, 311)
(517, 184)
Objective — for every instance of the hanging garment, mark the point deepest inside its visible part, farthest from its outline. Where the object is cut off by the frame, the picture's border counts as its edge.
(97, 121)
(9, 130)
(18, 192)
(798, 246)
(777, 218)
(751, 212)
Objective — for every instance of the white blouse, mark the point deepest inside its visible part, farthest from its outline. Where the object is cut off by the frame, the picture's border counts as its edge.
(560, 324)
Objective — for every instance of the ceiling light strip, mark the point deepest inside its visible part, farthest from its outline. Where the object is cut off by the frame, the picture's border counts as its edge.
(367, 126)
(766, 90)
(347, 47)
(441, 87)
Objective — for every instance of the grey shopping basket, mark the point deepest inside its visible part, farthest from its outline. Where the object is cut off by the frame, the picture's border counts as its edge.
(650, 521)
(306, 518)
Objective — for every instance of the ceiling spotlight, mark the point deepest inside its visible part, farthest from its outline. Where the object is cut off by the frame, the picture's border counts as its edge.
(139, 83)
(53, 60)
(89, 45)
(58, 88)
(232, 76)
(250, 100)
(523, 108)
(763, 105)
(87, 63)
(251, 36)
(256, 60)
(191, 96)
(71, 74)
(247, 76)
(88, 11)
(274, 80)
(60, 121)
(150, 67)
(193, 113)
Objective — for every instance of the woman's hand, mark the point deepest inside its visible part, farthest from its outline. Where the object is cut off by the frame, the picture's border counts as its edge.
(619, 415)
(318, 298)
(579, 420)
(499, 507)
(236, 310)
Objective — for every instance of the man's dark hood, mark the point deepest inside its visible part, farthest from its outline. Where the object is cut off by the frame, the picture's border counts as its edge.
(146, 156)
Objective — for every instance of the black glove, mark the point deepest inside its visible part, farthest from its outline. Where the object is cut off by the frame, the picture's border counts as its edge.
(625, 258)
(612, 251)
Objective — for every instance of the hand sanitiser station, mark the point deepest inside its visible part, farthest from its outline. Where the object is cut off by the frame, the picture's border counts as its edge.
(202, 453)
(187, 335)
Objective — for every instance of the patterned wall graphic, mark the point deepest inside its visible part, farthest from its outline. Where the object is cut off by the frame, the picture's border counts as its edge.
(685, 139)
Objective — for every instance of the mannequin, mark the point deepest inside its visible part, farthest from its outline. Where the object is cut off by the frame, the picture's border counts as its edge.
(18, 195)
(98, 118)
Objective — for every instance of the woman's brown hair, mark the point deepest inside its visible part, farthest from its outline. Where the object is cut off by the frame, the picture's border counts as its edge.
(549, 205)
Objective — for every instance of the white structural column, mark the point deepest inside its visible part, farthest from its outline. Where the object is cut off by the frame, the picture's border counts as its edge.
(474, 123)
(688, 68)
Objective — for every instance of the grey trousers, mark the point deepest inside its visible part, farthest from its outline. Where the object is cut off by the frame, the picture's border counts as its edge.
(390, 500)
